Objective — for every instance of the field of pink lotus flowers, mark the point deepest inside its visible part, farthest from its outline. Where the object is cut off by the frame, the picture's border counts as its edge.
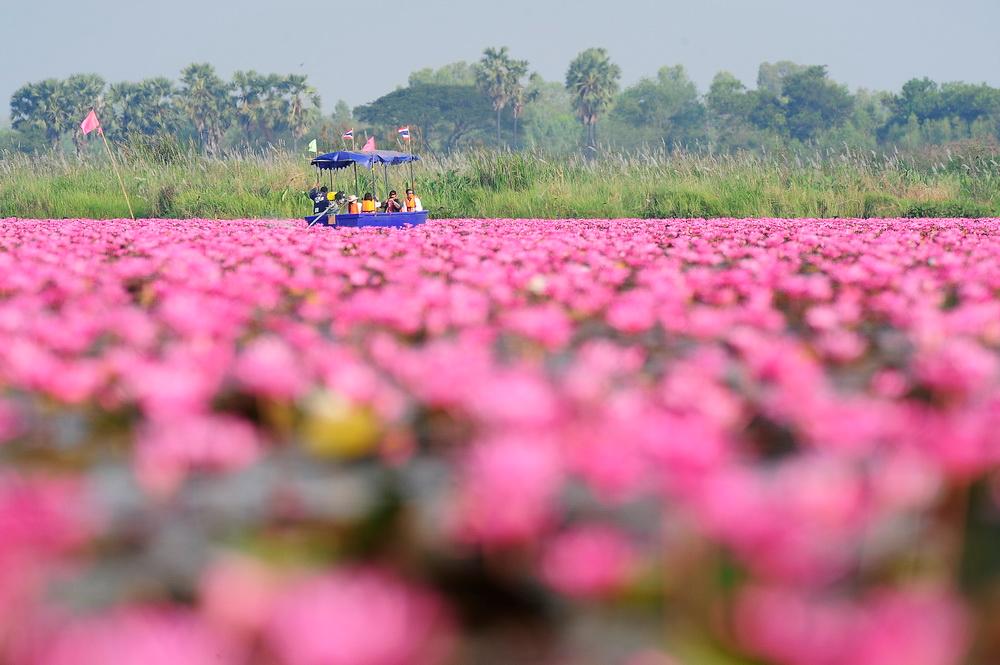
(500, 442)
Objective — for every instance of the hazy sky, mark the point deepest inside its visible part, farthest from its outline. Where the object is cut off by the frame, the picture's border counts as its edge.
(359, 55)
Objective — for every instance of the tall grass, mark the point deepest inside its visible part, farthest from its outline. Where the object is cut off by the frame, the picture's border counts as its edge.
(164, 181)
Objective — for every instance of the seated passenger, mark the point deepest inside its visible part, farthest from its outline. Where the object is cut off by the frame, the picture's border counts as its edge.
(368, 203)
(353, 207)
(413, 204)
(392, 204)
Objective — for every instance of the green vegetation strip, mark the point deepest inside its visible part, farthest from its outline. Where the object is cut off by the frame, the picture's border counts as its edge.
(175, 184)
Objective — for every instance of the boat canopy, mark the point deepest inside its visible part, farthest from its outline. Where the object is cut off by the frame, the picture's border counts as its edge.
(344, 158)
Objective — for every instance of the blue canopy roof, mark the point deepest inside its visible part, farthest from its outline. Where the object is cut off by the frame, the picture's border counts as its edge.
(344, 158)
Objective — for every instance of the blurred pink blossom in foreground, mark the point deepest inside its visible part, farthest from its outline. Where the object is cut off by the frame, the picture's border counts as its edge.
(571, 441)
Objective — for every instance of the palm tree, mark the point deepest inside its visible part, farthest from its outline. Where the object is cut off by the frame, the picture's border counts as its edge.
(79, 94)
(520, 96)
(248, 93)
(204, 98)
(54, 107)
(592, 79)
(300, 115)
(141, 108)
(38, 107)
(493, 74)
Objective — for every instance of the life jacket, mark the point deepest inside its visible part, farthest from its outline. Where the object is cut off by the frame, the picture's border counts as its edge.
(367, 206)
(353, 208)
(411, 203)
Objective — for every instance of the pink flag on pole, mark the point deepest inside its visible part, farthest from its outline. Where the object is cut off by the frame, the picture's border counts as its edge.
(369, 145)
(90, 123)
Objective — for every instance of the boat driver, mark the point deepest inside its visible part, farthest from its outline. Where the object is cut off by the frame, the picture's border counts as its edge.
(320, 199)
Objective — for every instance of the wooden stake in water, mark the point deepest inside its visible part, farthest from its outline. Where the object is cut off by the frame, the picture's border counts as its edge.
(114, 165)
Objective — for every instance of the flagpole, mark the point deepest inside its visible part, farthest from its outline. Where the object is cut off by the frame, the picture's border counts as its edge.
(114, 165)
(413, 185)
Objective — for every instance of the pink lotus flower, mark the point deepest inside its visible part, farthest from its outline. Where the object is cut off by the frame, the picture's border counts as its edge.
(546, 324)
(358, 617)
(238, 592)
(147, 635)
(40, 515)
(11, 421)
(591, 561)
(907, 626)
(507, 490)
(267, 367)
(167, 451)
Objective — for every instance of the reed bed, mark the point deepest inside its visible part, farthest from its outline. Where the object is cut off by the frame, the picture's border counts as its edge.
(167, 181)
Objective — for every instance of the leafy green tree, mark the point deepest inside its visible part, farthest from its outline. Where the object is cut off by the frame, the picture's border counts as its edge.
(771, 76)
(664, 110)
(767, 111)
(970, 102)
(455, 73)
(728, 108)
(444, 116)
(925, 112)
(342, 115)
(549, 122)
(204, 99)
(592, 80)
(813, 103)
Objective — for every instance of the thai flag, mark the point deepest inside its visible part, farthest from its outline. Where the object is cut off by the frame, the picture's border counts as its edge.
(404, 133)
(348, 135)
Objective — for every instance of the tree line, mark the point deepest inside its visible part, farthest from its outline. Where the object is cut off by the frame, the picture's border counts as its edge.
(251, 108)
(497, 103)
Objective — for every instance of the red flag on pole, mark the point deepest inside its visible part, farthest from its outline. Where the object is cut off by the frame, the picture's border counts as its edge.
(369, 145)
(90, 123)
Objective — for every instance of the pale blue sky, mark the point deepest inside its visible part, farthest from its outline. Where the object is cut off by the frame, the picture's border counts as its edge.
(866, 43)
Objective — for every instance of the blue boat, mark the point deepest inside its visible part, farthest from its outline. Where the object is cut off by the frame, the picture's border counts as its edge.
(387, 219)
(369, 160)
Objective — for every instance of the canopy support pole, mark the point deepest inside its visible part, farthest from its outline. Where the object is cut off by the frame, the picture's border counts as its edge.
(357, 189)
(385, 170)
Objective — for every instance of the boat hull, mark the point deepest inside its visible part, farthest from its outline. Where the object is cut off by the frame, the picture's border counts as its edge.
(384, 219)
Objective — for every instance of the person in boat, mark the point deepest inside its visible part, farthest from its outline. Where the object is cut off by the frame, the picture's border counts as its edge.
(413, 204)
(353, 207)
(392, 203)
(368, 204)
(320, 198)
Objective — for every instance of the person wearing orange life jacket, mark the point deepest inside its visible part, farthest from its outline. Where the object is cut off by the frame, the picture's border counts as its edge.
(368, 203)
(413, 204)
(353, 207)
